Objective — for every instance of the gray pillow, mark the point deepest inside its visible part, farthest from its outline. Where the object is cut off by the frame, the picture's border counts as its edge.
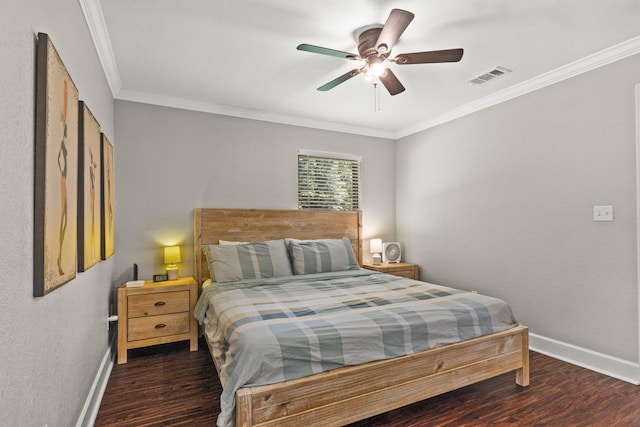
(209, 255)
(322, 256)
(257, 260)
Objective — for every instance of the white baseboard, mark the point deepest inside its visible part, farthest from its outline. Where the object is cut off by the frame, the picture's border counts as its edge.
(598, 362)
(92, 404)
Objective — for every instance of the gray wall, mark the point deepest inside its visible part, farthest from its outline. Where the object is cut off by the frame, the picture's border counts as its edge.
(51, 346)
(501, 201)
(170, 161)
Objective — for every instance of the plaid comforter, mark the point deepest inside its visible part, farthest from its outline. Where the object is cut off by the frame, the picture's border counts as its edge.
(271, 330)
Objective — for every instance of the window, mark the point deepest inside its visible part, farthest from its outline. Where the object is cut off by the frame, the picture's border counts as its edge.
(328, 181)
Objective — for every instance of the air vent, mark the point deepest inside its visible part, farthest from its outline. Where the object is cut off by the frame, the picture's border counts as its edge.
(488, 76)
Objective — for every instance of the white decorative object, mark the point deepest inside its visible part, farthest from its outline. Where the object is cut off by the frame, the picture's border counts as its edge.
(391, 252)
(375, 247)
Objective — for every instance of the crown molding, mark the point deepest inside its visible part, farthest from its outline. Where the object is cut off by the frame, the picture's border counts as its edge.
(98, 30)
(97, 27)
(591, 62)
(245, 113)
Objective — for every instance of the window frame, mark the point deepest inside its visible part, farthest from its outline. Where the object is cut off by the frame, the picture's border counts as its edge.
(355, 202)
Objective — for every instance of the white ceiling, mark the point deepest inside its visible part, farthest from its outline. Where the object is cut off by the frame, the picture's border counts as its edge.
(239, 57)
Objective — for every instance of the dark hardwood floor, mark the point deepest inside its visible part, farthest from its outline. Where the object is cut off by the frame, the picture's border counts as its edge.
(169, 386)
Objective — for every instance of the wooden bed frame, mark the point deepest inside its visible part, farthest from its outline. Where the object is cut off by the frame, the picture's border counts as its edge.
(352, 393)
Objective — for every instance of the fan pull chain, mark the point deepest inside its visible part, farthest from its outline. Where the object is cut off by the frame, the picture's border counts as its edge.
(376, 97)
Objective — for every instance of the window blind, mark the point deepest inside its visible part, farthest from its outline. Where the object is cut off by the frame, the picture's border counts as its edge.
(328, 183)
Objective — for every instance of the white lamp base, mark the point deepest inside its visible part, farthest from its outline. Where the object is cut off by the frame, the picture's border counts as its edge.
(376, 259)
(172, 273)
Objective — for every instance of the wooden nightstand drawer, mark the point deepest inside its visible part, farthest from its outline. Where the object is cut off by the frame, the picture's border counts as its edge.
(402, 269)
(143, 328)
(157, 313)
(158, 303)
(409, 273)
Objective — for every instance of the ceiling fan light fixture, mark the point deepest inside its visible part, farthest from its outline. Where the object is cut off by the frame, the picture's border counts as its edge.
(377, 69)
(375, 43)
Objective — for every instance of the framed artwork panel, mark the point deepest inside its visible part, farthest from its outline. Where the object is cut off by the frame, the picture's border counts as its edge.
(107, 219)
(56, 171)
(89, 182)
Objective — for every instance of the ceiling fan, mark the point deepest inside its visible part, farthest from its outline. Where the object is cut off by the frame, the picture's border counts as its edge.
(375, 45)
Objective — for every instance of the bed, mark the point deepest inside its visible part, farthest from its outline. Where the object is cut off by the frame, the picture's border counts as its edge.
(344, 394)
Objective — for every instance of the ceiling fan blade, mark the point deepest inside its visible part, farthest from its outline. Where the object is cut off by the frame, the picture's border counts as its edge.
(326, 51)
(397, 22)
(391, 82)
(343, 78)
(448, 55)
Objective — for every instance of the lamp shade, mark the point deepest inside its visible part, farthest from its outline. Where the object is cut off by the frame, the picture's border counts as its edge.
(375, 246)
(172, 254)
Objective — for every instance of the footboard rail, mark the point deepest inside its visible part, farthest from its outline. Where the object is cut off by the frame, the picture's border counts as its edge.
(354, 393)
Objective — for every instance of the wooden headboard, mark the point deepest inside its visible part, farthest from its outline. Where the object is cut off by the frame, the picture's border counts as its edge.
(255, 225)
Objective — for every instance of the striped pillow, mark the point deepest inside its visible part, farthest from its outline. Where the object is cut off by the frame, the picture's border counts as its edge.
(322, 256)
(249, 261)
(206, 249)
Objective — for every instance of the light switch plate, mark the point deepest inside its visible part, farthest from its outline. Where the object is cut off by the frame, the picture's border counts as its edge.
(603, 213)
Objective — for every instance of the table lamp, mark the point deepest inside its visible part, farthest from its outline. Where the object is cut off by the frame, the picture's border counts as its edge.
(171, 258)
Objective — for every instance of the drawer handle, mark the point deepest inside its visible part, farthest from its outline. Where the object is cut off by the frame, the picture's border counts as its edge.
(160, 303)
(160, 326)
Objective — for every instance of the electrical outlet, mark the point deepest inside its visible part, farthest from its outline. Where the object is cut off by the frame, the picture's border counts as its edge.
(603, 213)
(111, 317)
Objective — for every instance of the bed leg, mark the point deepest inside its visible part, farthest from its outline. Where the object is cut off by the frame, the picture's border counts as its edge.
(522, 374)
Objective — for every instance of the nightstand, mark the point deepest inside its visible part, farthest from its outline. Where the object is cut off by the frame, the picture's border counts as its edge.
(401, 269)
(157, 313)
